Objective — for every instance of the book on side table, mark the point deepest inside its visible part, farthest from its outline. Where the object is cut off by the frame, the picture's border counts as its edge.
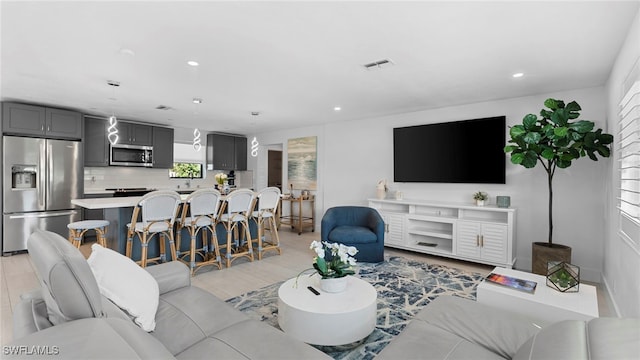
(512, 282)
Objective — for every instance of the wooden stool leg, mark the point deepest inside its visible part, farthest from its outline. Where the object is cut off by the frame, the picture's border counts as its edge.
(172, 246)
(143, 252)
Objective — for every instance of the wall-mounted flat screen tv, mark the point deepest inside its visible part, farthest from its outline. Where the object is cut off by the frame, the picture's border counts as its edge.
(469, 151)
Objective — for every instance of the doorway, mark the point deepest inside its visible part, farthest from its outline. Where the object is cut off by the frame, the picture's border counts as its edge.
(274, 168)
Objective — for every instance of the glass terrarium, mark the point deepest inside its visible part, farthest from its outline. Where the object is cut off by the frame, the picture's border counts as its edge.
(563, 276)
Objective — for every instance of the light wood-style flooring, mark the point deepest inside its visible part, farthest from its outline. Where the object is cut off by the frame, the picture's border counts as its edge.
(17, 274)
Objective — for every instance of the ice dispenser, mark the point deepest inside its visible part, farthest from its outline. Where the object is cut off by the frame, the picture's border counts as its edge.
(23, 176)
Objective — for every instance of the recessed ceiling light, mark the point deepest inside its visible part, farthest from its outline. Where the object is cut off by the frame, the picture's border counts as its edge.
(337, 108)
(129, 52)
(192, 63)
(518, 75)
(197, 101)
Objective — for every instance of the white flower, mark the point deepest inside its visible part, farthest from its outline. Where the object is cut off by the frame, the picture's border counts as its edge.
(352, 261)
(352, 250)
(317, 247)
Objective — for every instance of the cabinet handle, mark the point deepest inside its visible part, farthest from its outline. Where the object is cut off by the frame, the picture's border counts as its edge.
(477, 240)
(481, 240)
(386, 228)
(42, 127)
(48, 127)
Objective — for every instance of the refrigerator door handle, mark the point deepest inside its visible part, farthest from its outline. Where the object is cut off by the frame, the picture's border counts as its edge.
(43, 214)
(42, 174)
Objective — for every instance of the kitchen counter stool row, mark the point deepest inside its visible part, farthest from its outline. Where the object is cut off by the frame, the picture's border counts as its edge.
(199, 215)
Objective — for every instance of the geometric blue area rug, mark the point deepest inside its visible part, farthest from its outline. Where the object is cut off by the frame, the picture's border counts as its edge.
(404, 288)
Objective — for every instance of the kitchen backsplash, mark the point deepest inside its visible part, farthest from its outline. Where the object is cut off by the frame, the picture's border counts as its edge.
(100, 178)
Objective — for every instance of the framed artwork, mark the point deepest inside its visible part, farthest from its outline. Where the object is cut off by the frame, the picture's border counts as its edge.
(302, 163)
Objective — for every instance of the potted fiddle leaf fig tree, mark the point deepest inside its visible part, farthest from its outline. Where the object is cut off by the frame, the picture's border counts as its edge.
(554, 139)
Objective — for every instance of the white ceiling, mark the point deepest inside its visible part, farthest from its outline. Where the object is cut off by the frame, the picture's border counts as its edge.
(294, 61)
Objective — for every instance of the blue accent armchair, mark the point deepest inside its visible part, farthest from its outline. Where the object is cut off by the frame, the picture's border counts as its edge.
(357, 226)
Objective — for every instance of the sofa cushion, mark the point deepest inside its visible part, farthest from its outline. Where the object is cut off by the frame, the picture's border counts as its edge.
(68, 287)
(125, 283)
(352, 235)
(614, 338)
(249, 339)
(562, 340)
(91, 338)
(496, 330)
(188, 315)
(421, 340)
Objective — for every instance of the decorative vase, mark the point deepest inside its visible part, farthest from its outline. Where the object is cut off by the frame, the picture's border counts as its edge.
(333, 285)
(380, 193)
(542, 253)
(225, 187)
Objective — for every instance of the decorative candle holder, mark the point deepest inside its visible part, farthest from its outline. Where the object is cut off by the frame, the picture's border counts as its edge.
(563, 276)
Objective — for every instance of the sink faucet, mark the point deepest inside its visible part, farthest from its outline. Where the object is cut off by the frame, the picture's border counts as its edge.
(188, 183)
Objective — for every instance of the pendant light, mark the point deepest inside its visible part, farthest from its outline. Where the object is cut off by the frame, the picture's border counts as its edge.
(112, 130)
(196, 133)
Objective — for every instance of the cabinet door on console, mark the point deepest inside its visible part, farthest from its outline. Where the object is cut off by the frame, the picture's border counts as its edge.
(482, 241)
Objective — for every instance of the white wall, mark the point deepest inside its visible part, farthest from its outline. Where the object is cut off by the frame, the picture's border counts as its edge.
(621, 261)
(354, 155)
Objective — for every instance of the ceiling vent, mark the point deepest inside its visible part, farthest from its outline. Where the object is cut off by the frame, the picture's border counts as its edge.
(163, 107)
(380, 64)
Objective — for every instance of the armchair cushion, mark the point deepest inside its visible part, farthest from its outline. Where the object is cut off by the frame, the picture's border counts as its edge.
(125, 283)
(352, 235)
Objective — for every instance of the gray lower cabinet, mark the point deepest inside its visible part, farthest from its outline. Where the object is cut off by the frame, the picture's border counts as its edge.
(226, 152)
(162, 147)
(25, 119)
(96, 144)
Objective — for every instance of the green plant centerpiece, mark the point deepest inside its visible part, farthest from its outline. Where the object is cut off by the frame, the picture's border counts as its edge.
(333, 262)
(555, 139)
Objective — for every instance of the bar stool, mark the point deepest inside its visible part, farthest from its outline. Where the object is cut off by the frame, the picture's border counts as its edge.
(77, 230)
(157, 210)
(235, 213)
(199, 214)
(268, 200)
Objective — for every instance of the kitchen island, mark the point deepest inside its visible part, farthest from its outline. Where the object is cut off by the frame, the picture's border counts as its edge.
(118, 211)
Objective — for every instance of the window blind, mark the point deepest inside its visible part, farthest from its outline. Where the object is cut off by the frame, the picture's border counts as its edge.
(628, 146)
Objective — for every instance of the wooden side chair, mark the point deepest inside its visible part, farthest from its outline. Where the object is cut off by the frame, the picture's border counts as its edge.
(235, 214)
(268, 200)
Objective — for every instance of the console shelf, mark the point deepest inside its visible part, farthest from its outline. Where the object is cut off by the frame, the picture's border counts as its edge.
(482, 234)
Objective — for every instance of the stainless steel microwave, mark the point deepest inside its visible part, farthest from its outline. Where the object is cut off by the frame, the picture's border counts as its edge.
(131, 155)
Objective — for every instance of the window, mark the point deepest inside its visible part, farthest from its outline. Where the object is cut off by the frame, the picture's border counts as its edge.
(628, 146)
(186, 170)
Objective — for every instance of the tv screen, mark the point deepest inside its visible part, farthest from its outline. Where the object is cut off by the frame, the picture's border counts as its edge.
(469, 151)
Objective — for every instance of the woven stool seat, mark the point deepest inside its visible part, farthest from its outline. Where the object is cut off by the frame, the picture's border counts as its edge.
(79, 228)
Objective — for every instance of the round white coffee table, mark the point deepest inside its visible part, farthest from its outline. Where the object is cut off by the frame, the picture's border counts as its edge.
(328, 318)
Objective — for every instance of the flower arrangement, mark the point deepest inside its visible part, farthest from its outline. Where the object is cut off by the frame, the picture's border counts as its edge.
(480, 196)
(341, 262)
(221, 178)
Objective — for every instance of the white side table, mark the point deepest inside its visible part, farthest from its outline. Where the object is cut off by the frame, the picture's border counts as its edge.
(545, 304)
(328, 318)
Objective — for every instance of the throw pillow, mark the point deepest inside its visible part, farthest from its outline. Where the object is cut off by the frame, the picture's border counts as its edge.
(126, 284)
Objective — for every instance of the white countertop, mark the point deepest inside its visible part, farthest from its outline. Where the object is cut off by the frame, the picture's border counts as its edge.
(111, 202)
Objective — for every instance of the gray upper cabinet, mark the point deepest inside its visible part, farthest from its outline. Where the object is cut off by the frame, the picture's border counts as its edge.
(24, 119)
(96, 144)
(162, 147)
(226, 152)
(135, 134)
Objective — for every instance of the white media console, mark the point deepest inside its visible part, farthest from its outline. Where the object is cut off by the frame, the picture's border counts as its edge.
(482, 234)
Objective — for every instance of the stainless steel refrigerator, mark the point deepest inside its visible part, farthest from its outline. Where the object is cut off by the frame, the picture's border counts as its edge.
(40, 177)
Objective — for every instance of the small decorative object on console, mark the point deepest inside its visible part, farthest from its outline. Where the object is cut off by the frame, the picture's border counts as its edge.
(512, 282)
(220, 178)
(480, 197)
(563, 276)
(503, 201)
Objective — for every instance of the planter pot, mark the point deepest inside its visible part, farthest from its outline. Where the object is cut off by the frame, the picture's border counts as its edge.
(542, 254)
(333, 285)
(480, 202)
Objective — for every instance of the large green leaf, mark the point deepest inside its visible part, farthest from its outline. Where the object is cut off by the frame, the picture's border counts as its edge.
(517, 158)
(530, 159)
(321, 265)
(548, 154)
(517, 131)
(563, 164)
(532, 138)
(551, 104)
(509, 148)
(606, 139)
(560, 131)
(529, 121)
(582, 126)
